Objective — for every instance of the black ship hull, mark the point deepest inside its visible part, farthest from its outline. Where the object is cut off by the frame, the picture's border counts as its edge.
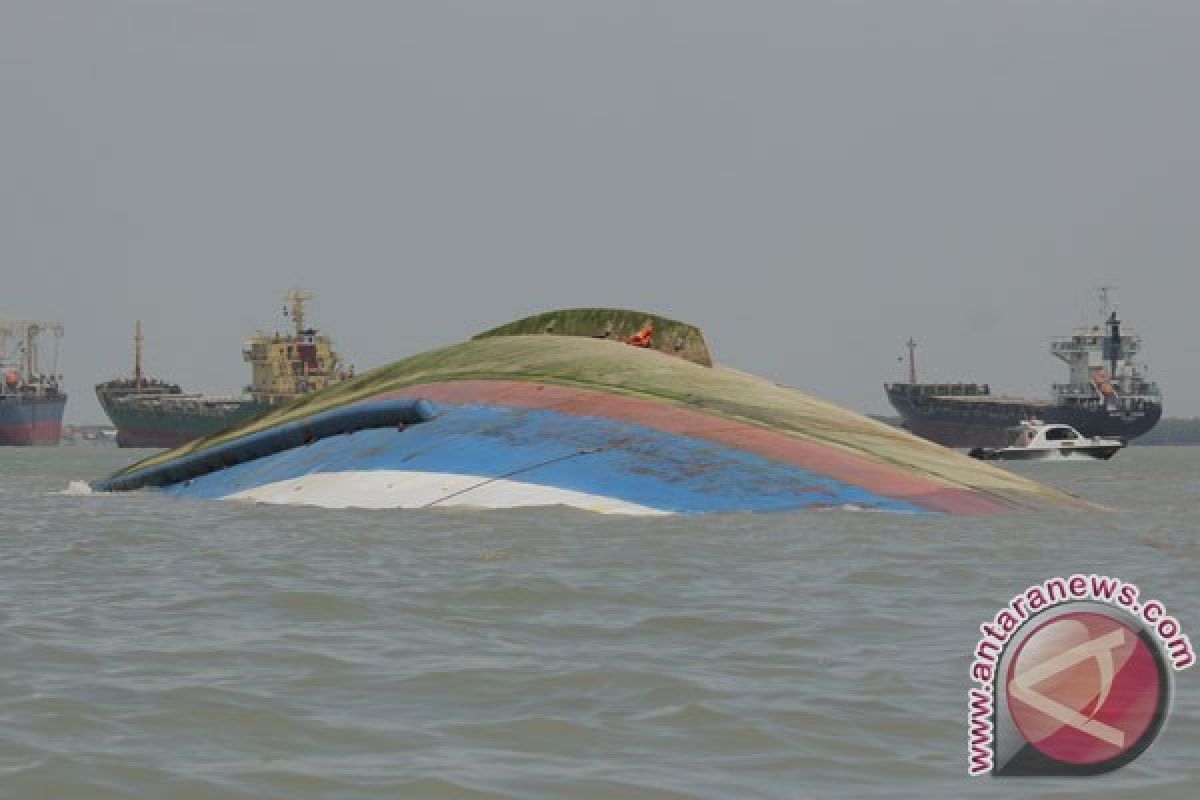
(982, 421)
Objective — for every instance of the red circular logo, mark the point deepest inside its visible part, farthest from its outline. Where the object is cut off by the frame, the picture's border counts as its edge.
(1085, 688)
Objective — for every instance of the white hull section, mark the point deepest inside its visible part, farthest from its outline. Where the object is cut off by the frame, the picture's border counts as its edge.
(1057, 455)
(404, 489)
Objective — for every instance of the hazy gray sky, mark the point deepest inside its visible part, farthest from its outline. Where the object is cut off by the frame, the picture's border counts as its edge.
(811, 182)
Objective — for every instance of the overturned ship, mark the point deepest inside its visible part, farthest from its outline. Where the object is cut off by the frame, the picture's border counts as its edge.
(601, 409)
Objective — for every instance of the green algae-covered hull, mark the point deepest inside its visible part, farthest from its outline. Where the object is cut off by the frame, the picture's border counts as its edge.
(538, 418)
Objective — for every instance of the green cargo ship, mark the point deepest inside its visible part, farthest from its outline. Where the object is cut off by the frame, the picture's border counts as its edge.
(148, 412)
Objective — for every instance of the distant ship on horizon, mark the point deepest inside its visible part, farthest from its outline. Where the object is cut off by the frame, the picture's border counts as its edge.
(150, 412)
(31, 401)
(1107, 393)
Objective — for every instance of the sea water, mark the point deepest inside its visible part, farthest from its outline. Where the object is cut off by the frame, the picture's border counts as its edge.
(158, 648)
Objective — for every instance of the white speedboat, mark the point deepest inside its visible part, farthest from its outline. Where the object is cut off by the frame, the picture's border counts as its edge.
(1034, 440)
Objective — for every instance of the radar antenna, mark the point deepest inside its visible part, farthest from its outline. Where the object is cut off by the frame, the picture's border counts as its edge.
(1106, 303)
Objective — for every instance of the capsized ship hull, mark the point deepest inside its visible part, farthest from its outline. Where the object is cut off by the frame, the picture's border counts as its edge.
(521, 452)
(31, 421)
(545, 419)
(982, 421)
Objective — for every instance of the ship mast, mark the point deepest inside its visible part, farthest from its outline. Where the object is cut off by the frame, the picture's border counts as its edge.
(1112, 342)
(912, 360)
(30, 364)
(1105, 301)
(137, 354)
(297, 298)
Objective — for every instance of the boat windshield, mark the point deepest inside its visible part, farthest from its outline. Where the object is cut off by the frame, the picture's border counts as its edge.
(1020, 436)
(1061, 433)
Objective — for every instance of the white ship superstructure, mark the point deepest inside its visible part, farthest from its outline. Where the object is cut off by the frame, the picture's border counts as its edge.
(1104, 372)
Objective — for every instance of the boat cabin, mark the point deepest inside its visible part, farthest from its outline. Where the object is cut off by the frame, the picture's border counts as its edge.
(1037, 434)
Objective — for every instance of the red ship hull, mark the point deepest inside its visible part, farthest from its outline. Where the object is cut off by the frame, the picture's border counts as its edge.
(31, 420)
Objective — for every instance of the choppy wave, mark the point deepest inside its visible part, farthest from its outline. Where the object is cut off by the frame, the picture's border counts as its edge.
(157, 648)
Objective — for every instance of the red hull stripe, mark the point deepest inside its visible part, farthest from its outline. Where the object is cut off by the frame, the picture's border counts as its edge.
(847, 467)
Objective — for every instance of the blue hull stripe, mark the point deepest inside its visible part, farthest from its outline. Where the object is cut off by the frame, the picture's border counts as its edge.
(356, 417)
(601, 457)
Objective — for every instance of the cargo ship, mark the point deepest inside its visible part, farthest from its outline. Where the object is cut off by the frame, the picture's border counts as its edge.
(599, 409)
(31, 402)
(1107, 393)
(149, 412)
